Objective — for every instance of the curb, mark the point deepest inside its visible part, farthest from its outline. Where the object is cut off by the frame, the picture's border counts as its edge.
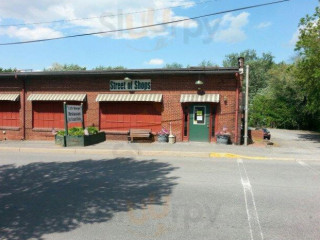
(136, 153)
(109, 152)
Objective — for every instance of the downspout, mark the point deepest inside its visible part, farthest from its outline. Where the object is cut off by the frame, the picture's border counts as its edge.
(237, 110)
(23, 110)
(239, 77)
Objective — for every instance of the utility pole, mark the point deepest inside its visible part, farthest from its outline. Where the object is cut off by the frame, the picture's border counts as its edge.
(246, 108)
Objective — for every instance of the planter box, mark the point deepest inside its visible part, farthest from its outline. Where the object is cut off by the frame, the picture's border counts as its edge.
(223, 139)
(162, 138)
(82, 141)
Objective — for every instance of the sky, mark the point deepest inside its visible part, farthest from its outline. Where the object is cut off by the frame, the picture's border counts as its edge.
(271, 29)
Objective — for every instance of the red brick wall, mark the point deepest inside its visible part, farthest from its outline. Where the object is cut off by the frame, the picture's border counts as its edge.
(170, 86)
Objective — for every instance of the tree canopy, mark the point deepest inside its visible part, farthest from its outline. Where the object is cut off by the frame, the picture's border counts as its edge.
(308, 63)
(65, 67)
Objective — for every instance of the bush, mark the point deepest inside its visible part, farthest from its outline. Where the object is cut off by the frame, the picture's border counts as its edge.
(77, 131)
(93, 130)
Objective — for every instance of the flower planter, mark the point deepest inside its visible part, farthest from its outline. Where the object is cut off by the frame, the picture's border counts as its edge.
(81, 141)
(223, 139)
(162, 138)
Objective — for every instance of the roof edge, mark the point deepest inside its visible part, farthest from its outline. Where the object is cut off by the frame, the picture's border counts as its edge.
(193, 70)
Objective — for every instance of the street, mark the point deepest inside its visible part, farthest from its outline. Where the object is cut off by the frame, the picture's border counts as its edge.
(68, 196)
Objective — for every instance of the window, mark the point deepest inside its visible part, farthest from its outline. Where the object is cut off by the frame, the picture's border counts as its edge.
(199, 115)
(9, 114)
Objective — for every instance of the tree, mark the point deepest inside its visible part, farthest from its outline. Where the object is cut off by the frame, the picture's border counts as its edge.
(308, 63)
(103, 68)
(173, 65)
(259, 66)
(281, 103)
(208, 63)
(8, 70)
(65, 67)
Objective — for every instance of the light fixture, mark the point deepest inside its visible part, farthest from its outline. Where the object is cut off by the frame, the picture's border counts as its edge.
(225, 99)
(199, 82)
(127, 79)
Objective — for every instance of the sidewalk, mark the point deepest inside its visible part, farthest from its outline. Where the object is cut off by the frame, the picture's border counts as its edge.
(184, 149)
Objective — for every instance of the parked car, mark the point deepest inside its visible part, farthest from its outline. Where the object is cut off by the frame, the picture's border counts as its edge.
(266, 134)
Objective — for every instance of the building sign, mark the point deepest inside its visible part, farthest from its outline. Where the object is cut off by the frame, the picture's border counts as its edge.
(74, 113)
(133, 85)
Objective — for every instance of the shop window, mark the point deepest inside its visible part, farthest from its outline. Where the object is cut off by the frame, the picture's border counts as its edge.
(9, 114)
(49, 115)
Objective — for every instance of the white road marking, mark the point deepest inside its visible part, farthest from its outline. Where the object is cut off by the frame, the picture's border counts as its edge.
(252, 213)
(306, 165)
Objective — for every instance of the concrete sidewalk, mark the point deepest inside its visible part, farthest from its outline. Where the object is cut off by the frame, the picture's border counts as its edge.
(185, 149)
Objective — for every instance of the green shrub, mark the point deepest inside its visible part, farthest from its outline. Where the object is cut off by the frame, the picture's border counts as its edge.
(61, 133)
(76, 131)
(93, 130)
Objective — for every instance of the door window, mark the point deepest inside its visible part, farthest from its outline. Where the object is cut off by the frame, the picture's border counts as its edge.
(199, 115)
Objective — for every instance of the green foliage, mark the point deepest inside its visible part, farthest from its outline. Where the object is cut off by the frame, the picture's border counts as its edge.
(308, 63)
(65, 67)
(77, 131)
(8, 70)
(280, 104)
(61, 133)
(105, 68)
(259, 67)
(208, 63)
(93, 130)
(173, 65)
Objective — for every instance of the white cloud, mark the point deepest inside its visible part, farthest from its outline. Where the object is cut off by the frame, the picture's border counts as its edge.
(230, 28)
(26, 34)
(295, 37)
(49, 10)
(264, 25)
(156, 61)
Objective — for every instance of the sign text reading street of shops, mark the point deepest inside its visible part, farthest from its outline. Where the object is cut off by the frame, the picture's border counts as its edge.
(133, 85)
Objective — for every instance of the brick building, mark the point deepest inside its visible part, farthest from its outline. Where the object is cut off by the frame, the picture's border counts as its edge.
(198, 102)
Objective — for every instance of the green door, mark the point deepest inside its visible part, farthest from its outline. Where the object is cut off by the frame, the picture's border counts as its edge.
(199, 122)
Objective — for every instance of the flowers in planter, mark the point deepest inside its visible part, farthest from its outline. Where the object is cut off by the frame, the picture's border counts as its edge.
(163, 132)
(224, 132)
(223, 137)
(163, 135)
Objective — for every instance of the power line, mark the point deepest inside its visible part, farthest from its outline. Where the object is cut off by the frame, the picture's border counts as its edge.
(146, 26)
(103, 16)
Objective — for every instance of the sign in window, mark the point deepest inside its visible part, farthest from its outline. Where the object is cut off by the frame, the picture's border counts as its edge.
(199, 115)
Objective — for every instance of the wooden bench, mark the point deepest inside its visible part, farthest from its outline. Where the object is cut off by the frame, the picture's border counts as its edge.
(139, 133)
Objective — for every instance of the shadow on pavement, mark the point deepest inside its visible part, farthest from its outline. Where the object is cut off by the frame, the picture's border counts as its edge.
(43, 198)
(315, 138)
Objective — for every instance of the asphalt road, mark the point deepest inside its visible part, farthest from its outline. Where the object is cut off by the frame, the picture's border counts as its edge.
(52, 196)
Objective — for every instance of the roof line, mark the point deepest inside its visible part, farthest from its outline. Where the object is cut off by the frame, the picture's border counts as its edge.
(127, 72)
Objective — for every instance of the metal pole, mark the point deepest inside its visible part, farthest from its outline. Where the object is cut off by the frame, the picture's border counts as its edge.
(246, 108)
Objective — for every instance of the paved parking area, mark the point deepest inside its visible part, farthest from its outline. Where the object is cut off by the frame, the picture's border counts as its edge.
(56, 196)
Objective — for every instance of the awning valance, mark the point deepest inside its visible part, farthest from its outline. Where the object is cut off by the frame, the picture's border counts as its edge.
(129, 98)
(58, 97)
(10, 97)
(200, 98)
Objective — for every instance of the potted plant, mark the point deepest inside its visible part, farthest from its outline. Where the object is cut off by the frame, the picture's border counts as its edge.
(223, 137)
(80, 137)
(163, 135)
